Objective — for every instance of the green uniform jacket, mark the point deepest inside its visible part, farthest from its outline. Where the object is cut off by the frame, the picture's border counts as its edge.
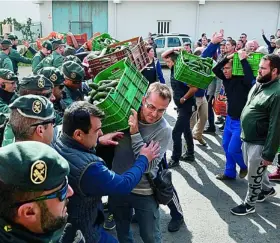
(18, 234)
(5, 61)
(9, 136)
(37, 59)
(16, 58)
(70, 96)
(4, 106)
(260, 118)
(53, 60)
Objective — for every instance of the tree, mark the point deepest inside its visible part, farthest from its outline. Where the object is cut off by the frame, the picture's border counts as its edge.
(24, 28)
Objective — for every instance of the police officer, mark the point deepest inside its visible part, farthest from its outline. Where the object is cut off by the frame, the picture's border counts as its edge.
(34, 193)
(74, 76)
(69, 50)
(5, 61)
(44, 52)
(36, 85)
(54, 75)
(55, 59)
(7, 89)
(15, 56)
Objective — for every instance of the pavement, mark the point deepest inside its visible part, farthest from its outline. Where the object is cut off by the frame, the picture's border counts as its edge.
(206, 201)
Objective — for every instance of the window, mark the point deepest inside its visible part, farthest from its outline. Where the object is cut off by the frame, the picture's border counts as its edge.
(186, 40)
(160, 42)
(163, 26)
(173, 42)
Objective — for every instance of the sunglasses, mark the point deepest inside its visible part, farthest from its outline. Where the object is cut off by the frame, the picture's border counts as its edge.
(52, 121)
(61, 194)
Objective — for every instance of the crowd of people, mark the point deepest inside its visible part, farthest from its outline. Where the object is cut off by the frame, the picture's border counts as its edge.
(56, 163)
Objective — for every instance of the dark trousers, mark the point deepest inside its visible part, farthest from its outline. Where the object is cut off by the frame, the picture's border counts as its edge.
(211, 117)
(174, 205)
(182, 126)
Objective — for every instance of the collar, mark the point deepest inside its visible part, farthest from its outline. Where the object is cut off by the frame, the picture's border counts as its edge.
(6, 96)
(268, 83)
(14, 233)
(72, 143)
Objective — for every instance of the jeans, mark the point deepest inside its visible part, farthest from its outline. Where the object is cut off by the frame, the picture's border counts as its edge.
(232, 147)
(106, 237)
(211, 117)
(182, 126)
(146, 213)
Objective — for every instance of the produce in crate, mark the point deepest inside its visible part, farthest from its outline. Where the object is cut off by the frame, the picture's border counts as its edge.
(118, 89)
(101, 90)
(203, 66)
(194, 70)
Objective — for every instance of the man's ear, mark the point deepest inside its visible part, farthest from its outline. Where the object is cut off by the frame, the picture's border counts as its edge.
(78, 135)
(27, 212)
(40, 130)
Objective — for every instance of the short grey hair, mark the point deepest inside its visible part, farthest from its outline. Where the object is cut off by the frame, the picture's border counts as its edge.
(21, 125)
(161, 89)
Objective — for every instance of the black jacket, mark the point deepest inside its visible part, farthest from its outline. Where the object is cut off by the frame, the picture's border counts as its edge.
(237, 88)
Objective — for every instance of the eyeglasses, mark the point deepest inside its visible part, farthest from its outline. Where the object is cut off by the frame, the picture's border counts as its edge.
(153, 109)
(61, 194)
(52, 121)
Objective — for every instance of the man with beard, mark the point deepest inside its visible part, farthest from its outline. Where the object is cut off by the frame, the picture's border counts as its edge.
(34, 192)
(260, 122)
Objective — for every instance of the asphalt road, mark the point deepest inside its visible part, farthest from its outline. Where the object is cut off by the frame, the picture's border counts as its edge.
(206, 201)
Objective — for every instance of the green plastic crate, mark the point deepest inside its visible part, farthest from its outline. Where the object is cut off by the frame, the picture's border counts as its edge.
(127, 95)
(183, 73)
(96, 46)
(253, 60)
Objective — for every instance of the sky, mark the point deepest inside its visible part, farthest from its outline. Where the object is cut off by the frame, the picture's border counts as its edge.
(20, 10)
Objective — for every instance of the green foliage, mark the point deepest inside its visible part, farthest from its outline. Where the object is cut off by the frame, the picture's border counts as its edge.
(24, 28)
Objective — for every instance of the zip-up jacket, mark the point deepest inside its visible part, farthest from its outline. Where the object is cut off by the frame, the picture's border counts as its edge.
(260, 118)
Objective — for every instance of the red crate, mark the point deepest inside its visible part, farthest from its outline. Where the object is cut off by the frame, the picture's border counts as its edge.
(220, 106)
(99, 64)
(81, 39)
(137, 51)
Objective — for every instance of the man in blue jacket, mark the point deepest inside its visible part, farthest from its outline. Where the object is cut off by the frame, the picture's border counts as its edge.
(89, 176)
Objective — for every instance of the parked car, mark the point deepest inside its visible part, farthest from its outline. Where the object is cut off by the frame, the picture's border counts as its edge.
(168, 41)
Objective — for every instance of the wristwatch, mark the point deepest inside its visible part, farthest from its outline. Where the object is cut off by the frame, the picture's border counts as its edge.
(184, 99)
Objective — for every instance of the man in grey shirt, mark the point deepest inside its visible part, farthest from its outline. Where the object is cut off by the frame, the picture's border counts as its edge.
(145, 126)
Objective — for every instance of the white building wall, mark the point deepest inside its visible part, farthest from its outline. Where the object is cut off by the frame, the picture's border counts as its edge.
(237, 17)
(133, 18)
(136, 18)
(46, 17)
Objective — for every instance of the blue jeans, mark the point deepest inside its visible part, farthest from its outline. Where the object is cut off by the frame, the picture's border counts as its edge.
(146, 213)
(232, 146)
(106, 238)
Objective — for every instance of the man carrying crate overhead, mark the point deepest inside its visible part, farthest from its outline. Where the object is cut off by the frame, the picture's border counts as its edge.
(237, 89)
